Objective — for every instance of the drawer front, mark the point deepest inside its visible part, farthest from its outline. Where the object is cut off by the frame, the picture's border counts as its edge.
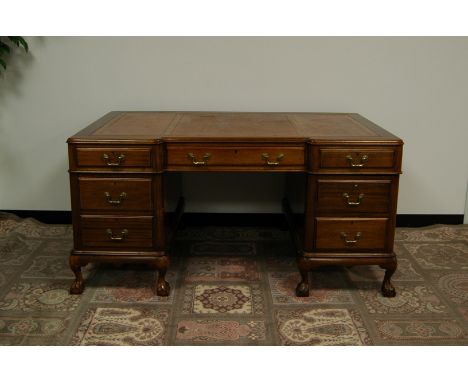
(204, 157)
(117, 232)
(357, 159)
(113, 157)
(351, 235)
(353, 196)
(115, 194)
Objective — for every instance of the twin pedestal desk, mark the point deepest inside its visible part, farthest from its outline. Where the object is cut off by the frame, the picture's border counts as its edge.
(341, 170)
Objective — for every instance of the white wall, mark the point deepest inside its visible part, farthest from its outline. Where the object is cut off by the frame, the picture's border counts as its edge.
(415, 87)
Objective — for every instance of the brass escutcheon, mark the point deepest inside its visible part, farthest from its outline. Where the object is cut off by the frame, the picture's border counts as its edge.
(199, 163)
(361, 163)
(348, 241)
(120, 159)
(279, 158)
(122, 196)
(122, 236)
(350, 203)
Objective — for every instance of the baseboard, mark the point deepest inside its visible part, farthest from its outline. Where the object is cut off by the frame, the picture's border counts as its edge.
(240, 219)
(404, 220)
(234, 219)
(49, 217)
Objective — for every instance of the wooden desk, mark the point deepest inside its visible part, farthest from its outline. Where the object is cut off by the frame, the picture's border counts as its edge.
(343, 173)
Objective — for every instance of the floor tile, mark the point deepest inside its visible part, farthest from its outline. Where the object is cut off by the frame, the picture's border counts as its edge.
(223, 299)
(410, 299)
(320, 326)
(215, 332)
(325, 288)
(40, 296)
(122, 326)
(221, 269)
(419, 330)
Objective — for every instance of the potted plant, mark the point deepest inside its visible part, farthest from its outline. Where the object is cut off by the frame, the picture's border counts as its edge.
(6, 44)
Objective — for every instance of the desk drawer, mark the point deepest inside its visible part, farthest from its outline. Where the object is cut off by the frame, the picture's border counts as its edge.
(209, 156)
(113, 157)
(357, 159)
(115, 194)
(353, 196)
(351, 235)
(117, 232)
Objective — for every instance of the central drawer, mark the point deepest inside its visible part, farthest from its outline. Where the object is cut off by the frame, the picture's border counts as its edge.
(115, 194)
(117, 232)
(188, 156)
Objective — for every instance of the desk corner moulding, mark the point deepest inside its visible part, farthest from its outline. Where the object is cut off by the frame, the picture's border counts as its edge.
(342, 174)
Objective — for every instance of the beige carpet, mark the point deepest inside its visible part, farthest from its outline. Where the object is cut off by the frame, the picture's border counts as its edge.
(231, 286)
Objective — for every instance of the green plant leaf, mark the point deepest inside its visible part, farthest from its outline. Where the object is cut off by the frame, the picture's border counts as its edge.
(23, 42)
(17, 40)
(4, 48)
(14, 40)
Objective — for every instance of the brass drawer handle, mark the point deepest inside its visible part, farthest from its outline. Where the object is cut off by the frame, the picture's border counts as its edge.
(353, 241)
(363, 160)
(120, 159)
(353, 204)
(199, 163)
(122, 196)
(117, 238)
(266, 157)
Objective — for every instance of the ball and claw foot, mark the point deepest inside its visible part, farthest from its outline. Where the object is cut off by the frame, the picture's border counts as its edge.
(77, 287)
(387, 289)
(302, 289)
(162, 288)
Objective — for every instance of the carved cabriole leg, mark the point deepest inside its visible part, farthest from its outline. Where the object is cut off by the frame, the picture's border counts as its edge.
(302, 289)
(162, 286)
(77, 286)
(387, 288)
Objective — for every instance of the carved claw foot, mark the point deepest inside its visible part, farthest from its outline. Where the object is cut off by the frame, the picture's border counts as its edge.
(302, 289)
(77, 287)
(387, 288)
(162, 288)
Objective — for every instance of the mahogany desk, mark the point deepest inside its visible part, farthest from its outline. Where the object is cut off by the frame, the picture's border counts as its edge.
(343, 173)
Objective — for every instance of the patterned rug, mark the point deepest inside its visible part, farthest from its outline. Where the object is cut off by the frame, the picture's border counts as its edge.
(231, 286)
